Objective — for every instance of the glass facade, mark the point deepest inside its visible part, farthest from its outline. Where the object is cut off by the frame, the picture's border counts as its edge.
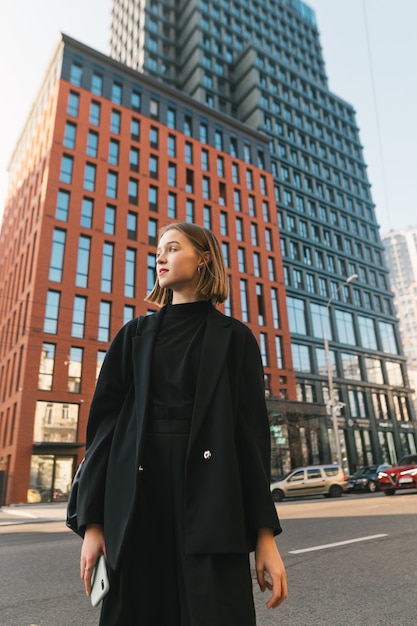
(326, 215)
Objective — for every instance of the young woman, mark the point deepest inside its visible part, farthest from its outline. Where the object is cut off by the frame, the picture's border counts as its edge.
(175, 482)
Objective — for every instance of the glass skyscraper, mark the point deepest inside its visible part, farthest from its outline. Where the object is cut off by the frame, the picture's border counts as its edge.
(261, 63)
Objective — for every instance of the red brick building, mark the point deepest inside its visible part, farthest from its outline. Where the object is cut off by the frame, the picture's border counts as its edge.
(106, 158)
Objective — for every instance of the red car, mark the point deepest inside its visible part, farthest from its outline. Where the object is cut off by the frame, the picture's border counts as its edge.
(400, 476)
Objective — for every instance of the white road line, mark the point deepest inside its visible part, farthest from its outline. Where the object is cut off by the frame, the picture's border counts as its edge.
(335, 545)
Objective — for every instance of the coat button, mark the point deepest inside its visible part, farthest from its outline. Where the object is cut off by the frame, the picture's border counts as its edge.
(206, 455)
(140, 468)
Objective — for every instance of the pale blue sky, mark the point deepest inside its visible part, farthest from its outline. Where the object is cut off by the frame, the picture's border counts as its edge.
(29, 31)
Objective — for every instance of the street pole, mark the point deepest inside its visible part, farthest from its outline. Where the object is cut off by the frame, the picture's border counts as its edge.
(333, 403)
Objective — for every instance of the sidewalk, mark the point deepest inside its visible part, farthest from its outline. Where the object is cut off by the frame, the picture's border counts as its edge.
(31, 513)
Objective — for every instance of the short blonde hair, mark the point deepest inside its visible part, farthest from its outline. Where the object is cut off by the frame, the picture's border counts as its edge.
(213, 284)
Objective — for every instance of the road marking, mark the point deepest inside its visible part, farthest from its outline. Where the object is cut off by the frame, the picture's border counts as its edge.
(335, 545)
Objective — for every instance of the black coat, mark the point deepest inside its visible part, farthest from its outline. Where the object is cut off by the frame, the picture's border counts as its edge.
(227, 468)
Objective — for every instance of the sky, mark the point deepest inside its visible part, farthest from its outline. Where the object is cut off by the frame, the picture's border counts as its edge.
(370, 52)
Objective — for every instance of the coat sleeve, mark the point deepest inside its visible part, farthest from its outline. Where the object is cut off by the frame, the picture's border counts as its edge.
(254, 442)
(111, 390)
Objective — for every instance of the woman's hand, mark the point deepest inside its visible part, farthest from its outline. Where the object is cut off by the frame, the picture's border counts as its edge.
(268, 560)
(93, 546)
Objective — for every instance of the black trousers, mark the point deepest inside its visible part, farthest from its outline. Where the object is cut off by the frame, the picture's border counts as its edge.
(157, 583)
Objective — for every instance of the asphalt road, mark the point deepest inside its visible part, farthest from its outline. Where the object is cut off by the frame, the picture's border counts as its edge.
(350, 561)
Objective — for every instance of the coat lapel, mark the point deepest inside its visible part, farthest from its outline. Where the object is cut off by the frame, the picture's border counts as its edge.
(142, 348)
(213, 354)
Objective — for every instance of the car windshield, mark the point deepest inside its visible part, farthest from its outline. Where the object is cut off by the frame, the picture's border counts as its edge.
(363, 471)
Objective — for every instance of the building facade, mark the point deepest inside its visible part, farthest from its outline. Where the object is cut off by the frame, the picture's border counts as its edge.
(106, 158)
(401, 258)
(260, 61)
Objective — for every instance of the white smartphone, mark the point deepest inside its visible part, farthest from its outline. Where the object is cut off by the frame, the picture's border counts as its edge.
(99, 581)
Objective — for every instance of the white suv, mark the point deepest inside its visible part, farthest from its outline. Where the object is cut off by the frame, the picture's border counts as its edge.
(327, 480)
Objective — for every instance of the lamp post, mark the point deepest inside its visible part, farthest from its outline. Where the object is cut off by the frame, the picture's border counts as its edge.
(334, 406)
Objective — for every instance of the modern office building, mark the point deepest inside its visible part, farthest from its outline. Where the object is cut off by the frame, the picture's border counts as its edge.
(260, 61)
(401, 259)
(106, 157)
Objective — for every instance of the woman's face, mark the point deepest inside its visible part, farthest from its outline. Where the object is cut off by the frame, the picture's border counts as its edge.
(177, 263)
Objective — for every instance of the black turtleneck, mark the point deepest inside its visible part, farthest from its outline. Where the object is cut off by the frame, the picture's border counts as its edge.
(176, 357)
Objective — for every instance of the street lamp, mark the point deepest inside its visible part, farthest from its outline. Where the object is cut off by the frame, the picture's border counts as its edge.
(334, 406)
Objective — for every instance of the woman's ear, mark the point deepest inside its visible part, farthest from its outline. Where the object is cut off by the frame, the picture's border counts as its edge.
(206, 258)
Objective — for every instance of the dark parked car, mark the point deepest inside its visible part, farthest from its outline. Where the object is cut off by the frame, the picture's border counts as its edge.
(366, 478)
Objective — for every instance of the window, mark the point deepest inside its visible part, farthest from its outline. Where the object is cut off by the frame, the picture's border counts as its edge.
(172, 205)
(92, 143)
(203, 132)
(132, 225)
(134, 159)
(95, 109)
(189, 210)
(130, 271)
(104, 321)
(172, 146)
(206, 188)
(107, 268)
(73, 103)
(109, 220)
(58, 418)
(69, 135)
(154, 137)
(65, 174)
(256, 259)
(135, 129)
(75, 369)
(172, 174)
(46, 367)
(83, 260)
(244, 301)
(100, 358)
(87, 207)
(374, 371)
(350, 365)
(394, 373)
(154, 109)
(133, 191)
(241, 260)
(367, 332)
(207, 217)
(345, 330)
(97, 84)
(116, 93)
(296, 315)
(128, 313)
(153, 166)
(62, 205)
(188, 125)
(57, 255)
(111, 187)
(388, 342)
(89, 177)
(205, 160)
(135, 100)
(261, 304)
(223, 224)
(301, 357)
(218, 140)
(113, 157)
(188, 153)
(78, 317)
(76, 73)
(220, 167)
(152, 232)
(153, 198)
(115, 121)
(151, 272)
(51, 312)
(171, 118)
